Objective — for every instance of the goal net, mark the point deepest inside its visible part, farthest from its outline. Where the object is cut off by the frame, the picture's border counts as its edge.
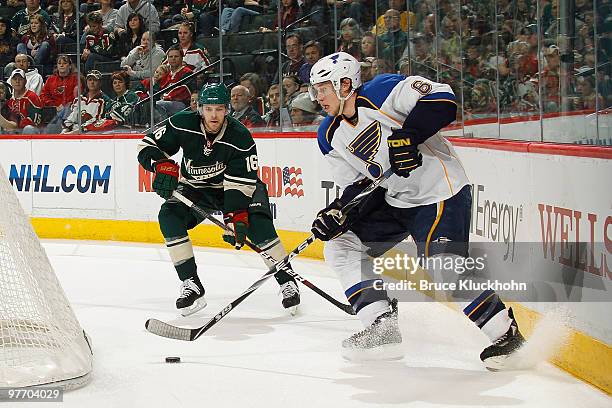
(41, 341)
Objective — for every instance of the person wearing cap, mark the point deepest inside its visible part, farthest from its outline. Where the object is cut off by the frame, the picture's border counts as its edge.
(59, 91)
(25, 108)
(94, 106)
(242, 110)
(304, 111)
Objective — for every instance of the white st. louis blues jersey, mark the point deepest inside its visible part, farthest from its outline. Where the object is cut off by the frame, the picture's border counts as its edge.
(355, 151)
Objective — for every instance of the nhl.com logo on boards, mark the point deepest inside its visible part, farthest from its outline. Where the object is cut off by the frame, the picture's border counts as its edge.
(285, 181)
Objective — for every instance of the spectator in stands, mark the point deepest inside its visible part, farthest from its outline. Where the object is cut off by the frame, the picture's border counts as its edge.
(369, 43)
(8, 43)
(34, 81)
(241, 108)
(394, 39)
(122, 107)
(256, 87)
(295, 52)
(357, 9)
(382, 66)
(140, 59)
(551, 98)
(177, 98)
(37, 42)
(193, 104)
(350, 38)
(367, 72)
(291, 88)
(231, 18)
(304, 111)
(99, 43)
(25, 108)
(313, 51)
(289, 13)
(405, 16)
(131, 38)
(195, 55)
(108, 13)
(587, 99)
(59, 91)
(205, 13)
(94, 106)
(276, 115)
(20, 23)
(160, 76)
(64, 23)
(5, 94)
(142, 7)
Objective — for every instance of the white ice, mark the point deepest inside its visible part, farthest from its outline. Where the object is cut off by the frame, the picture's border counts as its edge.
(259, 356)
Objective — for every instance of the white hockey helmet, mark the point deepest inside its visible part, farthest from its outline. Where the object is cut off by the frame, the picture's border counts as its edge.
(334, 68)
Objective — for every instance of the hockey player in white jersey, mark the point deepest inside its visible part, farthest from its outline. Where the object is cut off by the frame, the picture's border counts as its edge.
(393, 122)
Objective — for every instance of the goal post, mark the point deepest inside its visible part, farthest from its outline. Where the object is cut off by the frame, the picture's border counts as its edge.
(41, 341)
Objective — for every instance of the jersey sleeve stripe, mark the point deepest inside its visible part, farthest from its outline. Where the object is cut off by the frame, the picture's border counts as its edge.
(244, 189)
(236, 147)
(439, 96)
(239, 179)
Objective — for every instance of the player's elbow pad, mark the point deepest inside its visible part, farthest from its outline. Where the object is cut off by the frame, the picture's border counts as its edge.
(427, 118)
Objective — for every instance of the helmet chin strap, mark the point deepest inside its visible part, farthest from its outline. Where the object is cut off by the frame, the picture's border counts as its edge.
(342, 100)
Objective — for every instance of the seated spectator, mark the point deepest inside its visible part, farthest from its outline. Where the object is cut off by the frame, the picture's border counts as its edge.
(34, 81)
(108, 13)
(382, 66)
(588, 98)
(193, 104)
(231, 18)
(241, 109)
(195, 55)
(59, 91)
(99, 43)
(304, 111)
(142, 7)
(5, 94)
(131, 37)
(256, 87)
(369, 44)
(65, 21)
(25, 108)
(159, 77)
(394, 39)
(20, 23)
(121, 109)
(138, 62)
(8, 43)
(350, 38)
(291, 87)
(177, 98)
(367, 72)
(276, 115)
(295, 52)
(405, 17)
(37, 42)
(94, 107)
(289, 13)
(313, 51)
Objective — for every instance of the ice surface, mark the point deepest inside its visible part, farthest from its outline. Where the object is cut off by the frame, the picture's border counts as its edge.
(259, 356)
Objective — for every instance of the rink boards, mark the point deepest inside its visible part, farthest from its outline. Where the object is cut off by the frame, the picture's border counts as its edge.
(91, 187)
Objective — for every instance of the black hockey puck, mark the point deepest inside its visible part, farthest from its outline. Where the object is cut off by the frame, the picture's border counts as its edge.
(173, 359)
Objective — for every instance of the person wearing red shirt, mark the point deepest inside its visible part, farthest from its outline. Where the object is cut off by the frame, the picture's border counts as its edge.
(59, 91)
(177, 98)
(24, 107)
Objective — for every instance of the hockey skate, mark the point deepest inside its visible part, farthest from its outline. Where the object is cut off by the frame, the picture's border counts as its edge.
(500, 355)
(191, 298)
(291, 296)
(381, 341)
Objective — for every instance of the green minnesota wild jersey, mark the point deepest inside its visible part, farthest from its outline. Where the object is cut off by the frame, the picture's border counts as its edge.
(228, 164)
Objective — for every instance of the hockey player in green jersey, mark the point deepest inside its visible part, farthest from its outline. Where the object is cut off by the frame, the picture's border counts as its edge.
(218, 172)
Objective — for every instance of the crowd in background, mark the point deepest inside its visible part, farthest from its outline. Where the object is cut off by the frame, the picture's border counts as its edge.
(502, 57)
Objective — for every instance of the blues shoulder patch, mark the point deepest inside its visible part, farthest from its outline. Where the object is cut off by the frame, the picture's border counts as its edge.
(374, 93)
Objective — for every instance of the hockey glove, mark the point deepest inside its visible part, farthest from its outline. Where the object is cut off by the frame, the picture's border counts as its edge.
(404, 155)
(166, 177)
(238, 222)
(330, 222)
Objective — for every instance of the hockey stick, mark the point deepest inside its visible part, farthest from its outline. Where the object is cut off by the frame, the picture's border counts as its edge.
(179, 333)
(342, 306)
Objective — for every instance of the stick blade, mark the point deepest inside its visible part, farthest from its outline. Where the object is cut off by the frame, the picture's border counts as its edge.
(167, 330)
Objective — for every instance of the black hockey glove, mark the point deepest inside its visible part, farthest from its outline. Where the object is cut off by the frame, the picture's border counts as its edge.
(166, 177)
(404, 154)
(330, 222)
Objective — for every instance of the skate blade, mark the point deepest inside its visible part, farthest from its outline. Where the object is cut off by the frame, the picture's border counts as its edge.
(511, 362)
(198, 305)
(293, 310)
(387, 352)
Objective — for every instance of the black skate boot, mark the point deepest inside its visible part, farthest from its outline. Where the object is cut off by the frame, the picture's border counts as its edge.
(191, 298)
(496, 357)
(291, 296)
(381, 341)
